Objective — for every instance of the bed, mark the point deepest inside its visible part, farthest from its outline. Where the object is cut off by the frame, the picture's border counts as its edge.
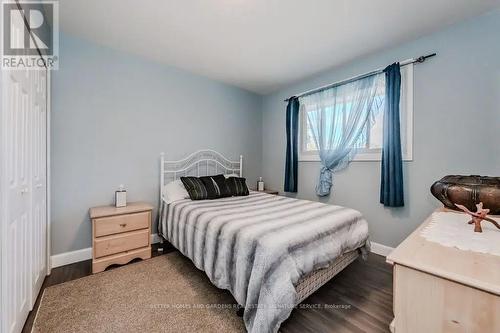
(271, 252)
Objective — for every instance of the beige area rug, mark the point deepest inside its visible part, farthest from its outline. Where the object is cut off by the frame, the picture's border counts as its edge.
(163, 294)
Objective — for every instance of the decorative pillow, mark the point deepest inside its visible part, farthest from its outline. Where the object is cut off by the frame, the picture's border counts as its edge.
(216, 186)
(195, 187)
(237, 186)
(174, 191)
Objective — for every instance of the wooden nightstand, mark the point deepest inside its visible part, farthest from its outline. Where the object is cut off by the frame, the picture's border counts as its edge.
(120, 234)
(270, 192)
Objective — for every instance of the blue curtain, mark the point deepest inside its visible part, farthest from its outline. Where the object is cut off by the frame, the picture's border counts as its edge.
(391, 186)
(337, 118)
(292, 139)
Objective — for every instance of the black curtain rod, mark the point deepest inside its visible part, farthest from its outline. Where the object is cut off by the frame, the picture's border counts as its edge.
(358, 77)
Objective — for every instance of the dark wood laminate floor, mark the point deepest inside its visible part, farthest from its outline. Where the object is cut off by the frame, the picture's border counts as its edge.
(359, 299)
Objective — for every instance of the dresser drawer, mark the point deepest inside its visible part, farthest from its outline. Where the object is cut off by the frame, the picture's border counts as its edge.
(108, 245)
(121, 223)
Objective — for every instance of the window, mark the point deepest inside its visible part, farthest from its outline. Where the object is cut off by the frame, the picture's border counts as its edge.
(369, 146)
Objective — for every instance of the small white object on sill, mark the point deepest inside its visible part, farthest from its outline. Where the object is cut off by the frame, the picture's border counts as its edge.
(452, 230)
(121, 197)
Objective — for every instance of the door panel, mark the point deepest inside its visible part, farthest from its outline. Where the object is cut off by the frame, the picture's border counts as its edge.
(39, 181)
(16, 277)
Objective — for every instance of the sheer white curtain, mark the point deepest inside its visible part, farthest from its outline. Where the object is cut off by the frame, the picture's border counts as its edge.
(337, 118)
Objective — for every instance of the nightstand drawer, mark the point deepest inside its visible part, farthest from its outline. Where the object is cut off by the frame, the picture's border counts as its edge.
(121, 223)
(105, 246)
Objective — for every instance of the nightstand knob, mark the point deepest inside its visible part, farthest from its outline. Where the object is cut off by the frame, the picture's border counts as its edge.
(123, 224)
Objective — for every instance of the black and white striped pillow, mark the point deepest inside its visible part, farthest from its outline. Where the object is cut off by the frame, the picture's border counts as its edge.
(216, 186)
(195, 188)
(238, 186)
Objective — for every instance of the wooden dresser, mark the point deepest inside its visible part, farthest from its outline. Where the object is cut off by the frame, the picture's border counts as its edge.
(120, 234)
(444, 289)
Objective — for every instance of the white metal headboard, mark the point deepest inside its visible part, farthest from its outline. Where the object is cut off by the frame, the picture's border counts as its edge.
(204, 162)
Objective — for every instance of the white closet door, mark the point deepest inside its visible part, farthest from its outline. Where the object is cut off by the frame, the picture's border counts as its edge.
(38, 231)
(16, 242)
(23, 191)
(24, 196)
(16, 196)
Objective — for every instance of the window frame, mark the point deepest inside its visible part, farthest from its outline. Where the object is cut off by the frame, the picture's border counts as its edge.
(366, 154)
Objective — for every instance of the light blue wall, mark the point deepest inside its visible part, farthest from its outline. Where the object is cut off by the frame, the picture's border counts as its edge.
(456, 126)
(112, 115)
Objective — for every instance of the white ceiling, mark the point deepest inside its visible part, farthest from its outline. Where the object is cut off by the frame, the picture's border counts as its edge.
(259, 45)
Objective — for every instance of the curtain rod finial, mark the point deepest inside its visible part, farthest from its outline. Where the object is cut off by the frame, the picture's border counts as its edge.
(421, 59)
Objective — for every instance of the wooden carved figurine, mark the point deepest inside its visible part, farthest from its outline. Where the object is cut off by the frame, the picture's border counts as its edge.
(478, 216)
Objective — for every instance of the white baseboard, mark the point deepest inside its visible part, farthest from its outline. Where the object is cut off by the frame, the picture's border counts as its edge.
(381, 249)
(155, 238)
(67, 258)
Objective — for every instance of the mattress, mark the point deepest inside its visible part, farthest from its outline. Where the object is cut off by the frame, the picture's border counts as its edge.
(259, 247)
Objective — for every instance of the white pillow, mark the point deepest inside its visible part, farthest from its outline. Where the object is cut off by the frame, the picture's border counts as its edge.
(232, 175)
(174, 191)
